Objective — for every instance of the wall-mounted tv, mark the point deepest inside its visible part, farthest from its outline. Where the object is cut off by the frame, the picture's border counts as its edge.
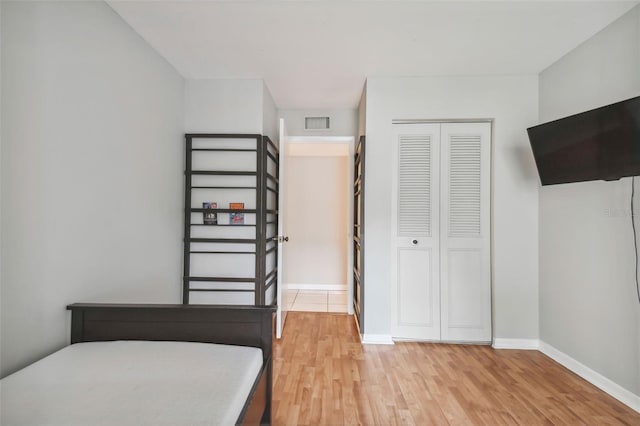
(601, 144)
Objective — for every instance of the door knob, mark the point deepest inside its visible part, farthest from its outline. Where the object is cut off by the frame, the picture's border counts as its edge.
(414, 242)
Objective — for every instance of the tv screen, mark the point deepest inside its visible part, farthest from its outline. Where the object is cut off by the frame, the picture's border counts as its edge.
(601, 144)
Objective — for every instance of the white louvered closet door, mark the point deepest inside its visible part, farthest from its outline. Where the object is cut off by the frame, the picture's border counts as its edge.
(465, 275)
(441, 279)
(415, 243)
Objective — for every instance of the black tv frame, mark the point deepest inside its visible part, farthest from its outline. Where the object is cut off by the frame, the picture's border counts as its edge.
(607, 161)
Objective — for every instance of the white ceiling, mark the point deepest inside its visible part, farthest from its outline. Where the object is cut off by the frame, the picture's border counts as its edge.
(317, 54)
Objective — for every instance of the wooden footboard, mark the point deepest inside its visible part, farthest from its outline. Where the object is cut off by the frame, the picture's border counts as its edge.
(229, 325)
(257, 409)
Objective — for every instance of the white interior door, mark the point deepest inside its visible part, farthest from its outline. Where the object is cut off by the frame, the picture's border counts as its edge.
(415, 237)
(465, 275)
(281, 313)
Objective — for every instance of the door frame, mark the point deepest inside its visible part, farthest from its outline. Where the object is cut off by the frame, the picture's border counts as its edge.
(350, 141)
(281, 311)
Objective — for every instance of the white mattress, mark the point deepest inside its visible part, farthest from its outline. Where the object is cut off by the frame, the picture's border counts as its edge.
(132, 383)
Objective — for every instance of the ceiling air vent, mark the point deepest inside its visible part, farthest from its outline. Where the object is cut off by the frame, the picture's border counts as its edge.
(316, 123)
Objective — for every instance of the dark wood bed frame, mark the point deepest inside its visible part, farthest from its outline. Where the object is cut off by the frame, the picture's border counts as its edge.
(230, 325)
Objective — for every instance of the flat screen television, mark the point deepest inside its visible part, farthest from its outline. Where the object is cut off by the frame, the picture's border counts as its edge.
(600, 144)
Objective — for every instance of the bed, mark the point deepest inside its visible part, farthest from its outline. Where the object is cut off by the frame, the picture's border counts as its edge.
(150, 364)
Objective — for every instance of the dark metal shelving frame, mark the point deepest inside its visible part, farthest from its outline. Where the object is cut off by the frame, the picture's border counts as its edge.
(358, 233)
(264, 244)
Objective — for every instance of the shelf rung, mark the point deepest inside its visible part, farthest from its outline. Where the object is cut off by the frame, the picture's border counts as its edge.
(223, 187)
(222, 224)
(200, 210)
(270, 283)
(223, 136)
(273, 157)
(273, 146)
(222, 240)
(221, 279)
(222, 173)
(228, 290)
(221, 252)
(272, 178)
(225, 149)
(271, 274)
(272, 249)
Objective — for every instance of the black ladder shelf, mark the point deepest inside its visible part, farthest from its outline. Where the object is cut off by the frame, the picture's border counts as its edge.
(232, 254)
(358, 233)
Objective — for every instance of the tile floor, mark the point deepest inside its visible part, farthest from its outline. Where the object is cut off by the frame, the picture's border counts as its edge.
(316, 301)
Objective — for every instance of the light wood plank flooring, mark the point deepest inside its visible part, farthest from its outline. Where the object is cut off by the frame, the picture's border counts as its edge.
(324, 376)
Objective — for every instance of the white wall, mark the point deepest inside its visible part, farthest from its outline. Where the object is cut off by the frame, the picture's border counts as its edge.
(270, 122)
(588, 303)
(343, 122)
(223, 106)
(1, 149)
(317, 220)
(362, 113)
(512, 101)
(230, 106)
(92, 159)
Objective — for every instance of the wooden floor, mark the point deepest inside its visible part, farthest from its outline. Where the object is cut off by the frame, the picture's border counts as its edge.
(324, 376)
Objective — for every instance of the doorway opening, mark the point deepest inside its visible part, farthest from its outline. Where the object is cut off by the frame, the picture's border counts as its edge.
(319, 221)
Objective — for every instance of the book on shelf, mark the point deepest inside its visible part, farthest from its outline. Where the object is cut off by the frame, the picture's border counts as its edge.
(236, 218)
(210, 217)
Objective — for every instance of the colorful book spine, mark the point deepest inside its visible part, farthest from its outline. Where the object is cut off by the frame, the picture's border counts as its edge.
(210, 217)
(236, 218)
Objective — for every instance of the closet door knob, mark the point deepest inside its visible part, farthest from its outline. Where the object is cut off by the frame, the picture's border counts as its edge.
(414, 242)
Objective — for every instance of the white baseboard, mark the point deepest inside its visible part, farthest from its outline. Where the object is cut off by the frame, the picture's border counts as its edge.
(319, 287)
(523, 344)
(377, 339)
(615, 390)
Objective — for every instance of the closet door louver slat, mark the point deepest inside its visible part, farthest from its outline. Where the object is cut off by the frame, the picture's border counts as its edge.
(414, 185)
(464, 186)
